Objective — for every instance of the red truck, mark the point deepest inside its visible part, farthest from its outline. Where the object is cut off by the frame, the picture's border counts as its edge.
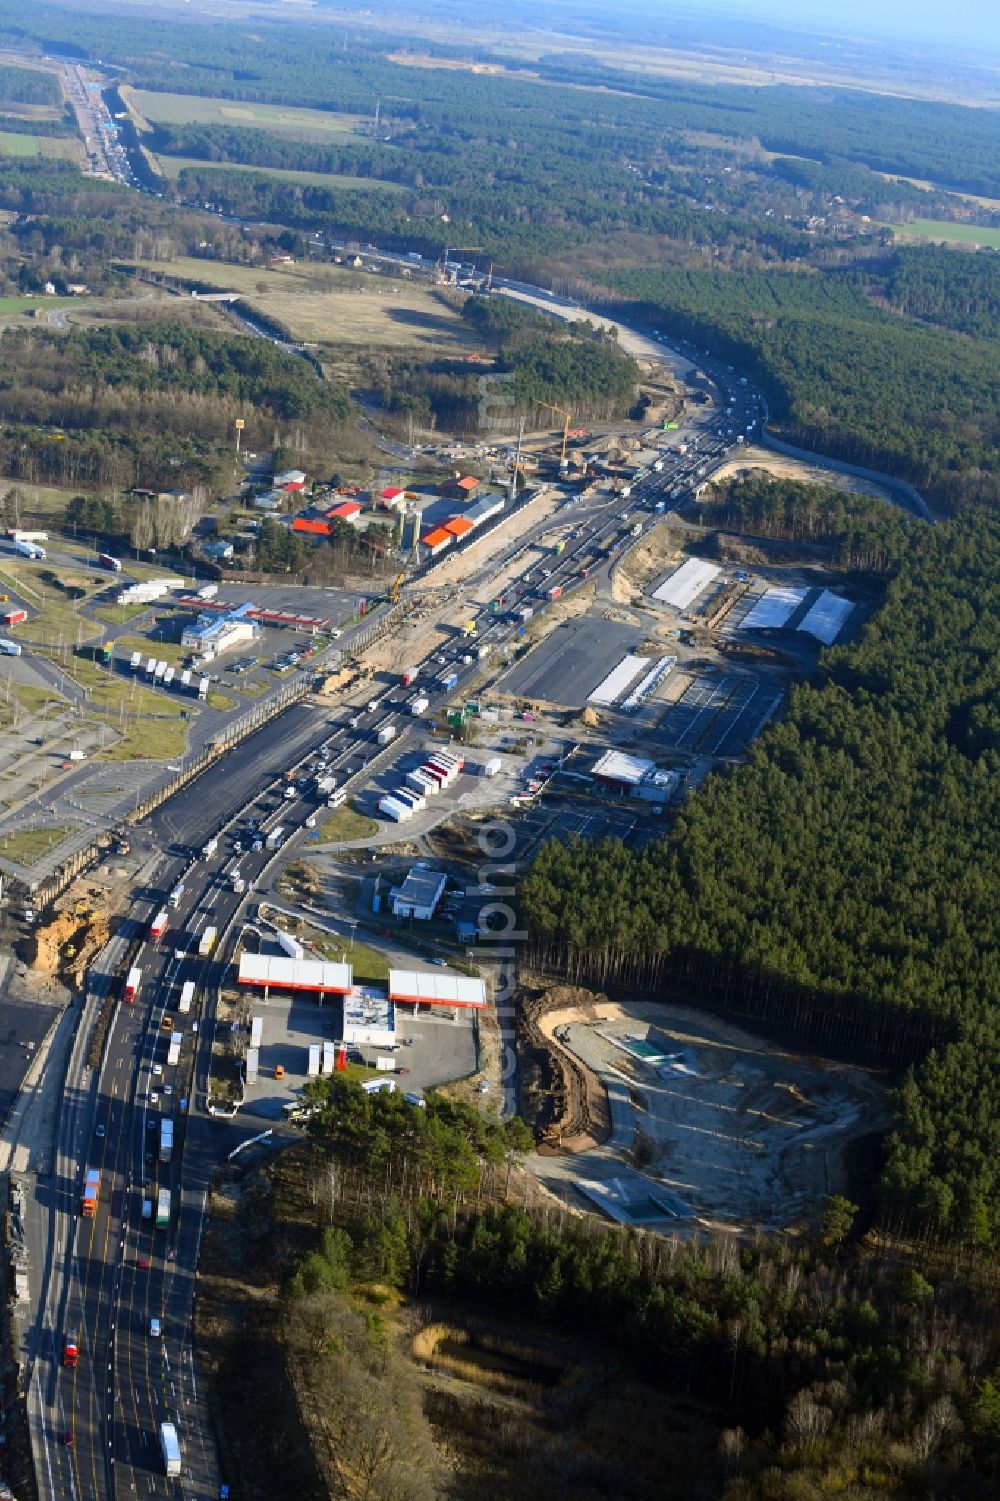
(107, 561)
(132, 983)
(91, 1193)
(158, 926)
(14, 617)
(71, 1350)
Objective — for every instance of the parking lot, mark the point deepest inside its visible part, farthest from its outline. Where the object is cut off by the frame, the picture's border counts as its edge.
(719, 715)
(569, 663)
(633, 824)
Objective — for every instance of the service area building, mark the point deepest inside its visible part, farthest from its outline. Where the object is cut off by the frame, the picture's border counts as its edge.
(634, 777)
(419, 894)
(212, 633)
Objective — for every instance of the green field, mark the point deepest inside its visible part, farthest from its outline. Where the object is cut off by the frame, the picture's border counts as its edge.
(173, 166)
(943, 229)
(187, 109)
(29, 845)
(12, 144)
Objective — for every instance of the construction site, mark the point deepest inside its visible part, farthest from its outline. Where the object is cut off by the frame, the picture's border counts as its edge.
(660, 1115)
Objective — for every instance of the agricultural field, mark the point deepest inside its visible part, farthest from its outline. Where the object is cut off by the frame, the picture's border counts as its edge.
(173, 166)
(187, 109)
(335, 306)
(65, 147)
(944, 229)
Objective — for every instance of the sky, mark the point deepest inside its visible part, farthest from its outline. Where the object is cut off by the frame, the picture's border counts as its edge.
(957, 21)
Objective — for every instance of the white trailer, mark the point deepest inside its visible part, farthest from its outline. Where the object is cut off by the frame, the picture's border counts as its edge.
(329, 1055)
(174, 1048)
(136, 661)
(170, 1449)
(186, 997)
(289, 945)
(419, 705)
(312, 1068)
(275, 837)
(253, 1064)
(422, 783)
(256, 1031)
(398, 812)
(386, 733)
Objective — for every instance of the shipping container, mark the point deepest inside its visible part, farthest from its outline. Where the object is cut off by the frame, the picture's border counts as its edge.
(422, 783)
(13, 617)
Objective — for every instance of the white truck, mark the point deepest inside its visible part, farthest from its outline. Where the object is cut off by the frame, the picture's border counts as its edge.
(209, 848)
(170, 1449)
(386, 733)
(419, 705)
(186, 997)
(275, 837)
(30, 550)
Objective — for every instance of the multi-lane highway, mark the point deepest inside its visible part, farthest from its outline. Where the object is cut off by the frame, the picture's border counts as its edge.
(104, 1279)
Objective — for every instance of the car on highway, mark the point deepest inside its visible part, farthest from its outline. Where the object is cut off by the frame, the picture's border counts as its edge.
(102, 1129)
(150, 1125)
(154, 1329)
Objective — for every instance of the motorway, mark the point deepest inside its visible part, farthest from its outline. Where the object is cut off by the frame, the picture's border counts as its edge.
(94, 1428)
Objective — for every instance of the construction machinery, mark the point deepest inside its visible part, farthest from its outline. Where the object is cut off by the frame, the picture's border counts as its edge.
(396, 585)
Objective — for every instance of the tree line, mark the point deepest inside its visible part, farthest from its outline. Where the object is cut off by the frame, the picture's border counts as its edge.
(844, 376)
(150, 403)
(844, 885)
(864, 534)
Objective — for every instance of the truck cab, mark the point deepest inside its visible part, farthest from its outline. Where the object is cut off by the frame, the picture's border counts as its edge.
(71, 1350)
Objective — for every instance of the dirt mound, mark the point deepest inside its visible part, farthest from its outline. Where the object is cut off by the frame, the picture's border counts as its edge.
(64, 947)
(567, 1100)
(591, 719)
